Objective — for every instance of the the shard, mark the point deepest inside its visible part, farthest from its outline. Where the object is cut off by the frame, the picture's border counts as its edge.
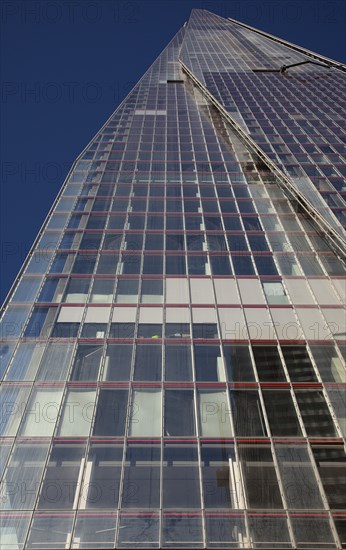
(172, 353)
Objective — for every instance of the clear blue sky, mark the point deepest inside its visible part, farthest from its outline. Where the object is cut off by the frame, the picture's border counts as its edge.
(66, 65)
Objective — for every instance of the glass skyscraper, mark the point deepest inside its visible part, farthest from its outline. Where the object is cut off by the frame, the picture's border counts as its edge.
(173, 368)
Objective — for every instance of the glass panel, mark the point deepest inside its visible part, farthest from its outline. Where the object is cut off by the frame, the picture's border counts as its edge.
(282, 416)
(298, 364)
(127, 291)
(177, 330)
(269, 531)
(77, 413)
(55, 362)
(94, 330)
(298, 478)
(238, 363)
(145, 417)
(222, 486)
(275, 293)
(214, 414)
(102, 476)
(182, 531)
(122, 330)
(181, 488)
(56, 527)
(6, 350)
(25, 361)
(149, 330)
(262, 489)
(225, 530)
(94, 530)
(102, 291)
(111, 412)
(21, 480)
(152, 291)
(268, 364)
(331, 463)
(182, 424)
(42, 412)
(148, 362)
(5, 448)
(40, 323)
(329, 364)
(117, 364)
(60, 486)
(139, 530)
(312, 532)
(178, 364)
(208, 363)
(87, 362)
(141, 483)
(13, 400)
(316, 416)
(13, 530)
(247, 413)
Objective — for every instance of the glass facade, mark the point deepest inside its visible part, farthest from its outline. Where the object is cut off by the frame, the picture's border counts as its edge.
(173, 360)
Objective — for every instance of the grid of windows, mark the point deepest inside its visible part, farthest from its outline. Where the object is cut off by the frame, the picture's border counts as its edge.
(173, 354)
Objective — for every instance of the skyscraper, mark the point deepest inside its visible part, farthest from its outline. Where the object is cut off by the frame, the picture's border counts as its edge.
(172, 365)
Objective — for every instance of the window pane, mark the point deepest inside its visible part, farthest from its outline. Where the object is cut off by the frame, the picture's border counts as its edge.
(145, 415)
(13, 400)
(178, 365)
(122, 330)
(41, 412)
(55, 362)
(220, 474)
(298, 478)
(259, 476)
(134, 529)
(56, 527)
(316, 416)
(94, 530)
(181, 424)
(247, 412)
(148, 362)
(25, 361)
(24, 471)
(281, 413)
(331, 463)
(329, 364)
(152, 291)
(268, 364)
(214, 414)
(111, 412)
(181, 488)
(127, 291)
(208, 363)
(141, 483)
(117, 362)
(77, 413)
(182, 531)
(238, 363)
(298, 364)
(102, 476)
(87, 362)
(269, 531)
(66, 462)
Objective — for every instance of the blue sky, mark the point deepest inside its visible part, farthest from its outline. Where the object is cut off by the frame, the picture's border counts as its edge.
(66, 65)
